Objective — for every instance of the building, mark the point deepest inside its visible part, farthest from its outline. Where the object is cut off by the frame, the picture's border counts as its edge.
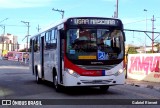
(8, 42)
(141, 49)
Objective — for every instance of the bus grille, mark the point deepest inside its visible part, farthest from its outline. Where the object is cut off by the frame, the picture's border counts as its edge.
(96, 81)
(104, 67)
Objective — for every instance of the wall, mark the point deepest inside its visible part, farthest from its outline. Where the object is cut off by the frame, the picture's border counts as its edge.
(144, 67)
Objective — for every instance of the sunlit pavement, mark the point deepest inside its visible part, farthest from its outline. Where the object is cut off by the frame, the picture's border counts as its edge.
(145, 84)
(9, 62)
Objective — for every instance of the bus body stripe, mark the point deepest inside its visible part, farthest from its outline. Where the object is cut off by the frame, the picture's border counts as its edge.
(103, 73)
(80, 71)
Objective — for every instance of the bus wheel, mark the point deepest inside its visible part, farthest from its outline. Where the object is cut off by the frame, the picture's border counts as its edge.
(104, 88)
(56, 85)
(38, 80)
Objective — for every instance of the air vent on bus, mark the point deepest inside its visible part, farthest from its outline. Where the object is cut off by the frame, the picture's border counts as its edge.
(105, 67)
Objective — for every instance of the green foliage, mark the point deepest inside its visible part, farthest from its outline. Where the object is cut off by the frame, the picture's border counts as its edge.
(132, 50)
(24, 50)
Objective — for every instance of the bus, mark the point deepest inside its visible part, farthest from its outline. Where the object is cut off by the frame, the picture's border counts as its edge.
(80, 51)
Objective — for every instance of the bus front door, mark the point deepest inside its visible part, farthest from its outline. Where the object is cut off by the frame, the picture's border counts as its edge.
(41, 56)
(60, 60)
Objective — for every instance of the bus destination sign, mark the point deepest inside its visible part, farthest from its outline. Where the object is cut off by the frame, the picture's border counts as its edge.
(92, 21)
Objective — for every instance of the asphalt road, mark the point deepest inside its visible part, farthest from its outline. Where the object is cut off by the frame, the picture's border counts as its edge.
(17, 82)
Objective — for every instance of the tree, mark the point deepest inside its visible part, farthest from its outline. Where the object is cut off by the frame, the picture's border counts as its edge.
(157, 44)
(132, 50)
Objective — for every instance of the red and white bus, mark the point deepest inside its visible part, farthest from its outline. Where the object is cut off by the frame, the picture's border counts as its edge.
(80, 51)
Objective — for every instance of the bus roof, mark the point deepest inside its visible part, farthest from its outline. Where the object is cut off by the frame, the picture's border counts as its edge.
(66, 19)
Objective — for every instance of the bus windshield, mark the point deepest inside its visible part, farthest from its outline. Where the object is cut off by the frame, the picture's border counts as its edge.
(95, 44)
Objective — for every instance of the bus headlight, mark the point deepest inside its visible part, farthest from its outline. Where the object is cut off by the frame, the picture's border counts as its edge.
(120, 71)
(71, 72)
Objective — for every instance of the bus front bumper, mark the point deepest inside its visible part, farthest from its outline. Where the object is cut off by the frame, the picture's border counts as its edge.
(70, 80)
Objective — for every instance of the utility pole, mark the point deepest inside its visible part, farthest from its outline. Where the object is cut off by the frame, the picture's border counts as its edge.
(17, 46)
(13, 43)
(117, 9)
(3, 26)
(60, 11)
(153, 19)
(27, 23)
(145, 10)
(38, 28)
(3, 38)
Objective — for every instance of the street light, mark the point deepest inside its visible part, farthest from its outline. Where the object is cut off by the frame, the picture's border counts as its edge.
(60, 11)
(27, 24)
(145, 10)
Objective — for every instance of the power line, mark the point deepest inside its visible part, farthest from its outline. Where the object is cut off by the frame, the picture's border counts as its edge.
(28, 25)
(13, 25)
(138, 21)
(140, 31)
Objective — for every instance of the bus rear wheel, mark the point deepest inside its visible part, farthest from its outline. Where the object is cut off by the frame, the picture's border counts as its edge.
(38, 80)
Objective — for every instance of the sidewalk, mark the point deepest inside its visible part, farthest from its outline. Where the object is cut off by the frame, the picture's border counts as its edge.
(144, 84)
(10, 62)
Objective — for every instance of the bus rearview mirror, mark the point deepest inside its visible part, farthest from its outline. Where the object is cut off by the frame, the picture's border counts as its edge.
(124, 37)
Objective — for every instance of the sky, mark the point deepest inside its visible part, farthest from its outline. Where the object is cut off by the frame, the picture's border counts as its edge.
(39, 12)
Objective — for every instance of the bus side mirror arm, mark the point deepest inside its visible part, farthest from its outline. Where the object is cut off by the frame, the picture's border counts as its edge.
(124, 37)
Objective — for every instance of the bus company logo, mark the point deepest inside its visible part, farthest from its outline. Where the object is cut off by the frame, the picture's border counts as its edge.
(98, 72)
(6, 102)
(96, 62)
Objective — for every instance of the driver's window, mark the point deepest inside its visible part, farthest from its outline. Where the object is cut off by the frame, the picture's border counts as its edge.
(107, 43)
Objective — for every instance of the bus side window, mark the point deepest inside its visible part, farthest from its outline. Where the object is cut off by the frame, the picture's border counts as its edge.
(36, 44)
(44, 41)
(47, 40)
(30, 45)
(54, 39)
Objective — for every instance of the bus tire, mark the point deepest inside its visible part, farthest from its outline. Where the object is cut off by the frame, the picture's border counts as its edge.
(56, 85)
(104, 88)
(38, 80)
